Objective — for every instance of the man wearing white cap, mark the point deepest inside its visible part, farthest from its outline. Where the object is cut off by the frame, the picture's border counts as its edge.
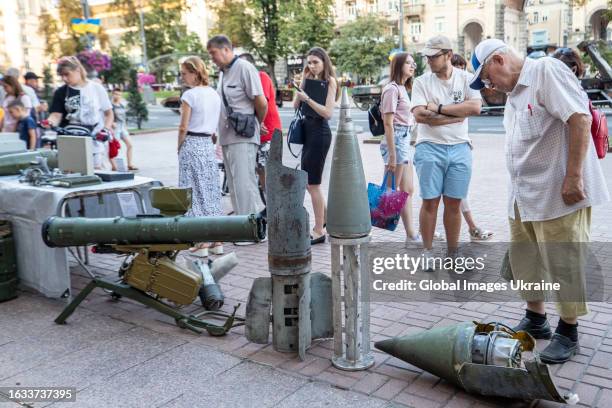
(441, 102)
(555, 179)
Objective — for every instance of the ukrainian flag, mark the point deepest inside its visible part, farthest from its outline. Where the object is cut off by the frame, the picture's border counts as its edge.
(82, 26)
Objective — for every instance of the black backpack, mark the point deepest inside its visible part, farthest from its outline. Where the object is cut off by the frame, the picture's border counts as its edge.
(375, 120)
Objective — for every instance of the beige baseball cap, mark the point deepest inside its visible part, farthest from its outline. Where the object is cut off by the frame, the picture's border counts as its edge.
(436, 44)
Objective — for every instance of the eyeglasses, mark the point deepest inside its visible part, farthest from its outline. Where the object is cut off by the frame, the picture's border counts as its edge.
(412, 64)
(431, 57)
(486, 81)
(564, 51)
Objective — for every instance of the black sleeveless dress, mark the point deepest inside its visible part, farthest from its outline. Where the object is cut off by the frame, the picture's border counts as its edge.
(317, 139)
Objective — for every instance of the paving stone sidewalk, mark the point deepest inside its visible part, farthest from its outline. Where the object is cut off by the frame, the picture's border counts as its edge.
(121, 354)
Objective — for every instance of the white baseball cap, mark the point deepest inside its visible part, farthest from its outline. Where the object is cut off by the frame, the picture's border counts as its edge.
(483, 50)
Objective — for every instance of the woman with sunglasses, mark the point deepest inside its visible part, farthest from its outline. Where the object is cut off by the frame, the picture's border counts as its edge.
(200, 110)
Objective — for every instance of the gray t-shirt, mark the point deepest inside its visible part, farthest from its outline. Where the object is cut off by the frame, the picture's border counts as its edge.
(241, 84)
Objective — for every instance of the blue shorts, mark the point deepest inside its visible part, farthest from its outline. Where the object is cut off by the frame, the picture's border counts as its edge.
(404, 152)
(443, 169)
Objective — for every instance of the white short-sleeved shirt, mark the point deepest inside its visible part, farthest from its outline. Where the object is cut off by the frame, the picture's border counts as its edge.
(429, 88)
(537, 142)
(10, 123)
(205, 106)
(241, 84)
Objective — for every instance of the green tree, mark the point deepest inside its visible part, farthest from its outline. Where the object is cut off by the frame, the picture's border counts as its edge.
(47, 84)
(362, 47)
(310, 23)
(60, 39)
(120, 68)
(164, 32)
(137, 108)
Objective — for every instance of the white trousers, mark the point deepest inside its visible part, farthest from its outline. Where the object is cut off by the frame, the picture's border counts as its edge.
(240, 160)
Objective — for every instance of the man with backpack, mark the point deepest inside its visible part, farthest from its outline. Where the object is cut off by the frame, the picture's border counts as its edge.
(555, 179)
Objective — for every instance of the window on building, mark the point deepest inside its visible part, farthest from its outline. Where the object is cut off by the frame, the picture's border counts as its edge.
(414, 28)
(544, 17)
(439, 24)
(536, 17)
(440, 2)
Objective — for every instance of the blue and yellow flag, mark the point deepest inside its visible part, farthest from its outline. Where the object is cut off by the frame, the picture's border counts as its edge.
(82, 26)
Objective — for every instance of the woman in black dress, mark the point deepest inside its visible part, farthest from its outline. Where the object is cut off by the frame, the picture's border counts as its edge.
(317, 134)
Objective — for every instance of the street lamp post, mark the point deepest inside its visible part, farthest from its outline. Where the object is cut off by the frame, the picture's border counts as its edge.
(401, 25)
(143, 39)
(85, 6)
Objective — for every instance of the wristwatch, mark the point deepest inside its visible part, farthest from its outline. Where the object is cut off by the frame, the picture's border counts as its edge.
(440, 109)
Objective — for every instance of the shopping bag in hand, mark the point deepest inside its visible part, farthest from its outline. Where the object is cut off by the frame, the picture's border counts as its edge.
(386, 204)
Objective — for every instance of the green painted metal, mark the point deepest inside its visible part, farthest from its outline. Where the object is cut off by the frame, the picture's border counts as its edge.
(183, 320)
(8, 263)
(151, 230)
(171, 201)
(12, 163)
(348, 211)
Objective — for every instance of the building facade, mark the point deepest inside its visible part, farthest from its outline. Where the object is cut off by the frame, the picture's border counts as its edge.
(520, 23)
(566, 22)
(21, 44)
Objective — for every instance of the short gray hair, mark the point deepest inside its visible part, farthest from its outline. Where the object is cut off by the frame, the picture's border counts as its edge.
(219, 41)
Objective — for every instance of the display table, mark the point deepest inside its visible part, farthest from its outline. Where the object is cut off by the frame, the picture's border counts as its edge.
(27, 207)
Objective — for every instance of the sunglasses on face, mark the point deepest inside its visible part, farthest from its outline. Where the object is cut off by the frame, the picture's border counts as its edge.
(432, 57)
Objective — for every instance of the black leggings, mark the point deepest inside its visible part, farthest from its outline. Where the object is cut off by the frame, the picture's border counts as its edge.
(317, 139)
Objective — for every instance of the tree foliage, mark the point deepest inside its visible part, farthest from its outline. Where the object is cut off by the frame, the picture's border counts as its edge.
(137, 108)
(60, 39)
(163, 29)
(362, 47)
(47, 84)
(272, 29)
(119, 73)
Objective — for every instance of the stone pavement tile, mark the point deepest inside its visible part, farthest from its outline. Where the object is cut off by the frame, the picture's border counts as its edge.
(316, 367)
(423, 386)
(370, 383)
(314, 395)
(98, 362)
(83, 330)
(605, 399)
(599, 381)
(336, 379)
(244, 385)
(603, 360)
(189, 369)
(295, 364)
(390, 389)
(248, 350)
(397, 373)
(601, 372)
(415, 401)
(268, 356)
(587, 393)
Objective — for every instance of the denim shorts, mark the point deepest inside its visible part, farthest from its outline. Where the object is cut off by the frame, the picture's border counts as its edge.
(404, 153)
(443, 169)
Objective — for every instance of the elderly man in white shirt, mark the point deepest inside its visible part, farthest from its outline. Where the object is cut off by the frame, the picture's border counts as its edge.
(555, 179)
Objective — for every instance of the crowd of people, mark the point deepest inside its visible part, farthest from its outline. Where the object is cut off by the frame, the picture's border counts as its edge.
(555, 177)
(81, 105)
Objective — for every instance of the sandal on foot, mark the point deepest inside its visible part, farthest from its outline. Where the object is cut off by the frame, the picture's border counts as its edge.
(198, 252)
(480, 235)
(318, 240)
(216, 250)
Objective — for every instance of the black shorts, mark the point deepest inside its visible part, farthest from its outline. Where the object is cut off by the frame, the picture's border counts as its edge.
(317, 139)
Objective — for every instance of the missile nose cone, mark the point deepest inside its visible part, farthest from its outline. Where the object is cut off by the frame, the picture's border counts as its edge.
(386, 346)
(344, 102)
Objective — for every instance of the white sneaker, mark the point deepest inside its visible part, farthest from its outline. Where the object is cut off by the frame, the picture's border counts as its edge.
(417, 239)
(428, 260)
(246, 243)
(437, 236)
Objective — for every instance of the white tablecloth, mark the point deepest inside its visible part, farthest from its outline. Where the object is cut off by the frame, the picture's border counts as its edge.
(27, 207)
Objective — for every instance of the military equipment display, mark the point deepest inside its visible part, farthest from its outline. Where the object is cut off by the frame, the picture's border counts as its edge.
(11, 164)
(481, 358)
(39, 174)
(210, 292)
(11, 143)
(297, 300)
(8, 263)
(150, 274)
(349, 227)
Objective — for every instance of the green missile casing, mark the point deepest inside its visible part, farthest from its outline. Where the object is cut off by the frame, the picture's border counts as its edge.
(12, 163)
(150, 230)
